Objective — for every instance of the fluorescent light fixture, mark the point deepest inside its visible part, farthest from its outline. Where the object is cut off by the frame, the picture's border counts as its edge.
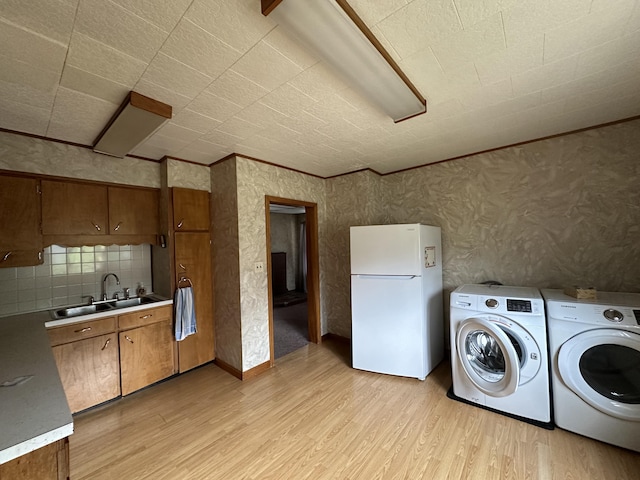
(334, 31)
(136, 119)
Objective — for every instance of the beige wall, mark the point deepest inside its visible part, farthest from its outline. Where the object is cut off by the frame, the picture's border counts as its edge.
(556, 212)
(255, 180)
(188, 175)
(239, 187)
(354, 199)
(32, 155)
(226, 263)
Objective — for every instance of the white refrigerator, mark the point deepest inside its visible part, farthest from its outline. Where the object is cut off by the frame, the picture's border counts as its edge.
(397, 325)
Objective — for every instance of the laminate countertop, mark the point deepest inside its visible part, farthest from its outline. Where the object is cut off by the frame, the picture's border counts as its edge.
(33, 407)
(34, 411)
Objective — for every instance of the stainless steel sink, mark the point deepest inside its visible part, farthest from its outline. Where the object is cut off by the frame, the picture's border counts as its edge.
(132, 302)
(78, 310)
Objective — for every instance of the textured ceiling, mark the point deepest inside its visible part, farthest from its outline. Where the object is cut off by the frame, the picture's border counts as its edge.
(494, 73)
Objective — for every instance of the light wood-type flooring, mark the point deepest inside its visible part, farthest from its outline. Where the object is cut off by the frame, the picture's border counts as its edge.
(314, 417)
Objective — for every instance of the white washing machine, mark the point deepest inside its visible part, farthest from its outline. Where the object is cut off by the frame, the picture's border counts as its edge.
(499, 357)
(595, 357)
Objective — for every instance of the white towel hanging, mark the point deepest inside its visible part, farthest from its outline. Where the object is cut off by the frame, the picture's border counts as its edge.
(185, 311)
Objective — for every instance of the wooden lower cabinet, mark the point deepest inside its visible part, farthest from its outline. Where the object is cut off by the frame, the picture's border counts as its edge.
(89, 370)
(50, 462)
(146, 355)
(101, 359)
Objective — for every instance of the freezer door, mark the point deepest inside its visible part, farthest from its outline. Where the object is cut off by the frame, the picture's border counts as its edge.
(385, 250)
(388, 325)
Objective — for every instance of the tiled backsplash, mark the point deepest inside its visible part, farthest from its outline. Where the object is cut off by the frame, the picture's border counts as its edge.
(70, 273)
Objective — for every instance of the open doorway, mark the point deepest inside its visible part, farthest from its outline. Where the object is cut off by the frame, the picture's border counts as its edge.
(292, 263)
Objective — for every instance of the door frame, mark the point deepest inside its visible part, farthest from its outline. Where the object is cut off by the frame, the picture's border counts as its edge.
(313, 267)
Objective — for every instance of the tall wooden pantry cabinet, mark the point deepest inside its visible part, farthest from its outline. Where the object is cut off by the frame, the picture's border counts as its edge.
(190, 226)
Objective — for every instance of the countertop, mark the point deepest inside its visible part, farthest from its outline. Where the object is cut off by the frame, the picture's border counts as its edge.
(35, 413)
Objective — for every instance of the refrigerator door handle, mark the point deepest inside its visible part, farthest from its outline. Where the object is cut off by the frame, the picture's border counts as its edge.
(388, 277)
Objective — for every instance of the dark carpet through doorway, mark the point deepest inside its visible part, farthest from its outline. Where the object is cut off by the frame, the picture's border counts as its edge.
(290, 328)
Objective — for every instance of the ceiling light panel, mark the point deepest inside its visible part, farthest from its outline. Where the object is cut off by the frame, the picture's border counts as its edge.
(334, 32)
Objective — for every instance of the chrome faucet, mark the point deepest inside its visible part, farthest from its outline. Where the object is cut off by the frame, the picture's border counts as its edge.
(104, 284)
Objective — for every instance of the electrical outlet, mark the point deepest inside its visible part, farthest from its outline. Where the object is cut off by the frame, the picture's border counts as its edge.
(259, 267)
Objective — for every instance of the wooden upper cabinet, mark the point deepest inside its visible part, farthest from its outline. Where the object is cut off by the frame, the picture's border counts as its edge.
(70, 208)
(20, 236)
(133, 211)
(190, 210)
(78, 213)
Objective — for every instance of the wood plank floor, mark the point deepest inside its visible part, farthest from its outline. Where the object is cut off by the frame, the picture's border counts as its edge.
(314, 417)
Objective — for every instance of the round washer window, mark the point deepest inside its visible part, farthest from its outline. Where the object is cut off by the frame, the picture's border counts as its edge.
(613, 371)
(485, 355)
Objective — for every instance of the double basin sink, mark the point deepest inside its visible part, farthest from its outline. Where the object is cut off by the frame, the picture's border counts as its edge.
(78, 310)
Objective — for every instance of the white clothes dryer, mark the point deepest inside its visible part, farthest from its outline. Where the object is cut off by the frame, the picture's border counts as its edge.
(499, 357)
(595, 357)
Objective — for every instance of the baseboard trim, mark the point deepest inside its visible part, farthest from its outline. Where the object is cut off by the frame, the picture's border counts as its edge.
(252, 372)
(255, 371)
(228, 368)
(337, 338)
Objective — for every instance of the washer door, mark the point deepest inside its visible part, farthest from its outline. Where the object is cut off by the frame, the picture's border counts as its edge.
(603, 368)
(490, 357)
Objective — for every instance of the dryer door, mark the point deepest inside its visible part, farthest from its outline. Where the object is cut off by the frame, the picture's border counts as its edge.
(489, 357)
(603, 368)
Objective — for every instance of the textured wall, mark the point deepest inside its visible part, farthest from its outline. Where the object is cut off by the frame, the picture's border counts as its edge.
(255, 180)
(226, 263)
(354, 199)
(552, 213)
(32, 155)
(188, 175)
(285, 238)
(556, 212)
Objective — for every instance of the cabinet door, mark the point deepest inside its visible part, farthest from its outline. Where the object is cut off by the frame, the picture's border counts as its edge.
(20, 236)
(89, 370)
(20, 258)
(146, 355)
(50, 462)
(190, 210)
(193, 261)
(70, 208)
(133, 211)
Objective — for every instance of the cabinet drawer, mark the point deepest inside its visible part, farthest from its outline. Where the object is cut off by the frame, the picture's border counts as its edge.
(145, 317)
(78, 331)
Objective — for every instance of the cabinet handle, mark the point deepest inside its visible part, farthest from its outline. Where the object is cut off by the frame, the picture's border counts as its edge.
(180, 223)
(82, 330)
(117, 227)
(39, 255)
(128, 339)
(106, 344)
(182, 266)
(6, 256)
(97, 226)
(146, 316)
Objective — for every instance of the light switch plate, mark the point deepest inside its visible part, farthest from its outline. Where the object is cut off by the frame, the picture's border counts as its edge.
(259, 267)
